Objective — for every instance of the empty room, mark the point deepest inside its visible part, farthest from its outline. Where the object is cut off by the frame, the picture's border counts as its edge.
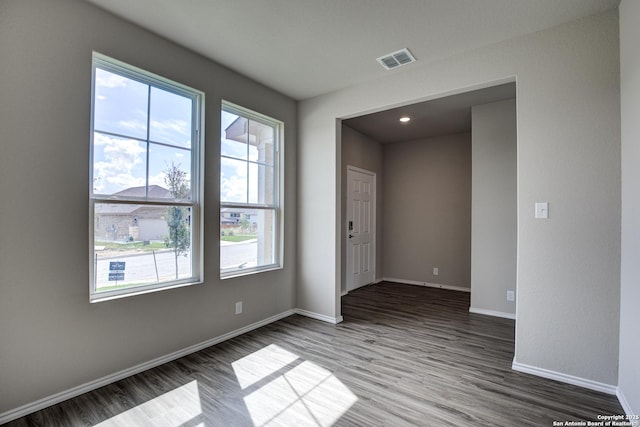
(178, 194)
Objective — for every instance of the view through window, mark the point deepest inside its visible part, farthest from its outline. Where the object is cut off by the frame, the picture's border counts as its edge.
(249, 196)
(145, 203)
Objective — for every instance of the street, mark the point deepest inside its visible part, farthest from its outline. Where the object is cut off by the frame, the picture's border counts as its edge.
(141, 268)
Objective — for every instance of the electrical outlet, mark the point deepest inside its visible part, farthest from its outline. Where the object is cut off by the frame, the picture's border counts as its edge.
(435, 271)
(511, 296)
(239, 307)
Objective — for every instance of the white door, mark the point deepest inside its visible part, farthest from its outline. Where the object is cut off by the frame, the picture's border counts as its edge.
(361, 195)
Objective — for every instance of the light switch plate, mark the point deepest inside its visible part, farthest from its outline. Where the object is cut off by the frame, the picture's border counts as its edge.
(542, 210)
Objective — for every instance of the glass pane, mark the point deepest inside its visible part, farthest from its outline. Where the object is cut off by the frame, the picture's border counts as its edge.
(233, 181)
(137, 245)
(169, 173)
(233, 140)
(247, 238)
(119, 166)
(261, 143)
(170, 118)
(120, 105)
(261, 184)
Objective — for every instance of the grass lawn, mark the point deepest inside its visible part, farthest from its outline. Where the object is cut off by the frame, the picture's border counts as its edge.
(152, 246)
(238, 237)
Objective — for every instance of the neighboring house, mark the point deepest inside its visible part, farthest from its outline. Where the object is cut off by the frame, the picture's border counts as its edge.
(132, 222)
(233, 217)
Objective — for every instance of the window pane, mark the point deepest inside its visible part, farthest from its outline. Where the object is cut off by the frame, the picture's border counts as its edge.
(233, 180)
(247, 238)
(119, 165)
(169, 173)
(120, 105)
(137, 245)
(234, 136)
(261, 143)
(261, 184)
(170, 118)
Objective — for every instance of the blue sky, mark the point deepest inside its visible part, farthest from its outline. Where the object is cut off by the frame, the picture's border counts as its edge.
(239, 180)
(122, 107)
(125, 109)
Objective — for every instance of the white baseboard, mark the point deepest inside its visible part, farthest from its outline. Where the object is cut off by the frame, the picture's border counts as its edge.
(624, 403)
(492, 313)
(318, 316)
(564, 378)
(375, 282)
(427, 284)
(101, 382)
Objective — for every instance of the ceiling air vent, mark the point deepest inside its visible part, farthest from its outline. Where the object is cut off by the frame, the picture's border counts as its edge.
(396, 59)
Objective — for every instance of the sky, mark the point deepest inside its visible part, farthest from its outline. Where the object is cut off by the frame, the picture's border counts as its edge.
(126, 110)
(124, 107)
(239, 167)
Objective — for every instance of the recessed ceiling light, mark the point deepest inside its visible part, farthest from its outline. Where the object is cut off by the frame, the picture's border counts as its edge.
(405, 119)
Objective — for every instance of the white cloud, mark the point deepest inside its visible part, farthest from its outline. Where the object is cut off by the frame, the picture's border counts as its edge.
(134, 125)
(109, 80)
(157, 179)
(233, 189)
(173, 131)
(115, 171)
(179, 126)
(233, 181)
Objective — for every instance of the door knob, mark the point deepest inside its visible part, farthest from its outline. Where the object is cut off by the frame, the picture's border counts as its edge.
(350, 235)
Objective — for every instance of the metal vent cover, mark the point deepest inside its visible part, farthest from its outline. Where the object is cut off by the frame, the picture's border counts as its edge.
(396, 59)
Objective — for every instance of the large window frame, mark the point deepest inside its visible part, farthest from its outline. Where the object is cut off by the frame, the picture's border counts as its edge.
(189, 206)
(270, 206)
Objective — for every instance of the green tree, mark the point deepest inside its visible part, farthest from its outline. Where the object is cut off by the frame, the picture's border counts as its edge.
(245, 224)
(179, 238)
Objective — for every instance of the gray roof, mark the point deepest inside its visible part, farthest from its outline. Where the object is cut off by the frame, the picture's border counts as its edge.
(155, 192)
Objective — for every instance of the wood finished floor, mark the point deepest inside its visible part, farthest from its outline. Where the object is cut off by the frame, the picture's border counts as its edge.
(404, 356)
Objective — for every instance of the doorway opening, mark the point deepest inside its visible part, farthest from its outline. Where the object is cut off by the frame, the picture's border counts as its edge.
(446, 196)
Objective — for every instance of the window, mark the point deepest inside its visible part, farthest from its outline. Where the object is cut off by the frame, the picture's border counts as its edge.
(250, 211)
(145, 201)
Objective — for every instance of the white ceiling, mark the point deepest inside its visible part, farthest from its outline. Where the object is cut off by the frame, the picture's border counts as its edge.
(305, 48)
(437, 117)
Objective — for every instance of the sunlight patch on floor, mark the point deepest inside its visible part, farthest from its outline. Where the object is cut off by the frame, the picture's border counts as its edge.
(302, 394)
(260, 364)
(171, 409)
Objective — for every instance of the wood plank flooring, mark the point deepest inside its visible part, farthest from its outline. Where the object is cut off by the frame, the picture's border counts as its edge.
(404, 356)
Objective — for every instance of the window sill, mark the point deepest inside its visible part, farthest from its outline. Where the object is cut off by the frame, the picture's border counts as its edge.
(102, 297)
(249, 271)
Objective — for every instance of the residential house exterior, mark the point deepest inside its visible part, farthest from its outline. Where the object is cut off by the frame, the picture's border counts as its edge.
(118, 222)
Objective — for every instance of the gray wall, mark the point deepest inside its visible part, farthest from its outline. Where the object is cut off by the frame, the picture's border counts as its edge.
(493, 206)
(51, 338)
(427, 210)
(365, 153)
(629, 375)
(568, 123)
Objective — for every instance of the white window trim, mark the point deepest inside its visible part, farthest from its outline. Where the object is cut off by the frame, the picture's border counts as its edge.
(197, 168)
(278, 186)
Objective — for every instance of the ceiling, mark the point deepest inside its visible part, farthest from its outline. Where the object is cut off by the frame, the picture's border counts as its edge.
(442, 116)
(305, 48)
